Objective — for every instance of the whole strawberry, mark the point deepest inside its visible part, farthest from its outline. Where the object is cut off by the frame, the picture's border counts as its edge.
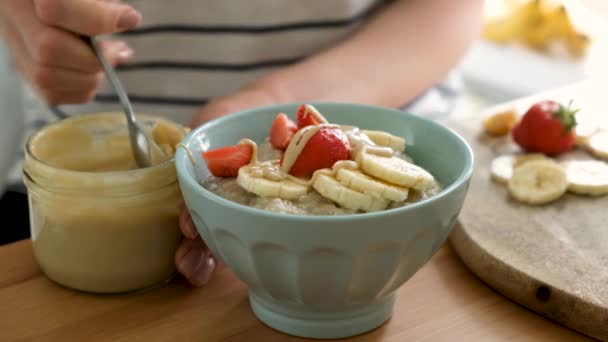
(547, 127)
(326, 147)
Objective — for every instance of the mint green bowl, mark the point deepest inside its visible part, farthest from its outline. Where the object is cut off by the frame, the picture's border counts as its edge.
(327, 276)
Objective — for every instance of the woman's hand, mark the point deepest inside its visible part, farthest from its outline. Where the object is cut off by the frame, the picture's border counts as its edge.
(193, 259)
(43, 37)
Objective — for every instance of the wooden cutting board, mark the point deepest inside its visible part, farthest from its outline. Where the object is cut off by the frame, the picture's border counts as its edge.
(552, 259)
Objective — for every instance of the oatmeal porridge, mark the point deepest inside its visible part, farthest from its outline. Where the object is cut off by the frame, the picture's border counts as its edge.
(317, 168)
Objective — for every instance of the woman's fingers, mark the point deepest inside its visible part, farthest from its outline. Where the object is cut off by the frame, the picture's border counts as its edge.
(87, 17)
(186, 224)
(203, 274)
(194, 261)
(55, 83)
(44, 37)
(65, 86)
(59, 64)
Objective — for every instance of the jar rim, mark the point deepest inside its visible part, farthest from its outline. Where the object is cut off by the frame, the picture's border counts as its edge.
(83, 117)
(164, 171)
(107, 173)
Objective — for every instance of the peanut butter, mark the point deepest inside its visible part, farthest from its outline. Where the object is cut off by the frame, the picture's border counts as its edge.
(312, 111)
(98, 222)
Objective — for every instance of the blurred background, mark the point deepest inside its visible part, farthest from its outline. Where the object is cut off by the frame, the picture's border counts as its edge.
(526, 46)
(11, 116)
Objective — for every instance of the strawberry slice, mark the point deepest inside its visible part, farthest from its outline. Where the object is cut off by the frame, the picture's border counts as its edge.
(226, 161)
(323, 150)
(304, 118)
(282, 131)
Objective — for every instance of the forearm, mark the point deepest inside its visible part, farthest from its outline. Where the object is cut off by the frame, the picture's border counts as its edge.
(403, 50)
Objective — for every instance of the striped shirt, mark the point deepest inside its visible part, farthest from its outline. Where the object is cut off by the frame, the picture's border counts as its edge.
(190, 51)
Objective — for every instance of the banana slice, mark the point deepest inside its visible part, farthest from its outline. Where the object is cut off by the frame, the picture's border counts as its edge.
(521, 159)
(538, 182)
(384, 139)
(583, 132)
(255, 183)
(598, 144)
(406, 158)
(396, 171)
(347, 198)
(360, 182)
(502, 167)
(587, 177)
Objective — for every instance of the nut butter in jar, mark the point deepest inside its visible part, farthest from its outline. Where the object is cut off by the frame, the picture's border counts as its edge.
(99, 223)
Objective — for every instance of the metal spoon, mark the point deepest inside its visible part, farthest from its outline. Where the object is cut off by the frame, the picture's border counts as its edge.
(141, 144)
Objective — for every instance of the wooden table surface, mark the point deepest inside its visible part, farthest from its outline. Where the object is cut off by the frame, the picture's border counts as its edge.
(442, 302)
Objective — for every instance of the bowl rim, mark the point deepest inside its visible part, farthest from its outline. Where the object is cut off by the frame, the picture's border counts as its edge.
(181, 159)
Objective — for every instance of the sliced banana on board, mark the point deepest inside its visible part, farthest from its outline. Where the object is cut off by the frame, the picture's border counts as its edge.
(363, 183)
(583, 132)
(538, 182)
(501, 169)
(263, 187)
(502, 166)
(598, 144)
(332, 189)
(521, 159)
(587, 177)
(396, 171)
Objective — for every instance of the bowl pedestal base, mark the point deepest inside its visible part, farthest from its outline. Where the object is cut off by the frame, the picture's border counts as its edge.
(321, 325)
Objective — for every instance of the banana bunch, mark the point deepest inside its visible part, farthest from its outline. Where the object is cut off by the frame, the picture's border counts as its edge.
(537, 24)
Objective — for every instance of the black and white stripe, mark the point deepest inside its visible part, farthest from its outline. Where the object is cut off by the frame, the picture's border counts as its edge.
(310, 24)
(153, 100)
(202, 57)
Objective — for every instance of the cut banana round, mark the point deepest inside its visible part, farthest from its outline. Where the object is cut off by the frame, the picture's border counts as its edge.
(347, 198)
(583, 132)
(360, 182)
(598, 144)
(263, 187)
(405, 157)
(521, 159)
(587, 177)
(502, 167)
(396, 171)
(538, 182)
(385, 139)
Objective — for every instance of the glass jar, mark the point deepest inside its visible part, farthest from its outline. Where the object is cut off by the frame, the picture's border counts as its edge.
(98, 223)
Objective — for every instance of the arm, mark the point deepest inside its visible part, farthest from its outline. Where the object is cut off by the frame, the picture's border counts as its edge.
(406, 48)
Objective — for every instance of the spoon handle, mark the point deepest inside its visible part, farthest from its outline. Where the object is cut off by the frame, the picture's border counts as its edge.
(141, 144)
(113, 79)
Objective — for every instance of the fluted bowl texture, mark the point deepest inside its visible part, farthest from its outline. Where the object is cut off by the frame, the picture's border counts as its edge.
(327, 276)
